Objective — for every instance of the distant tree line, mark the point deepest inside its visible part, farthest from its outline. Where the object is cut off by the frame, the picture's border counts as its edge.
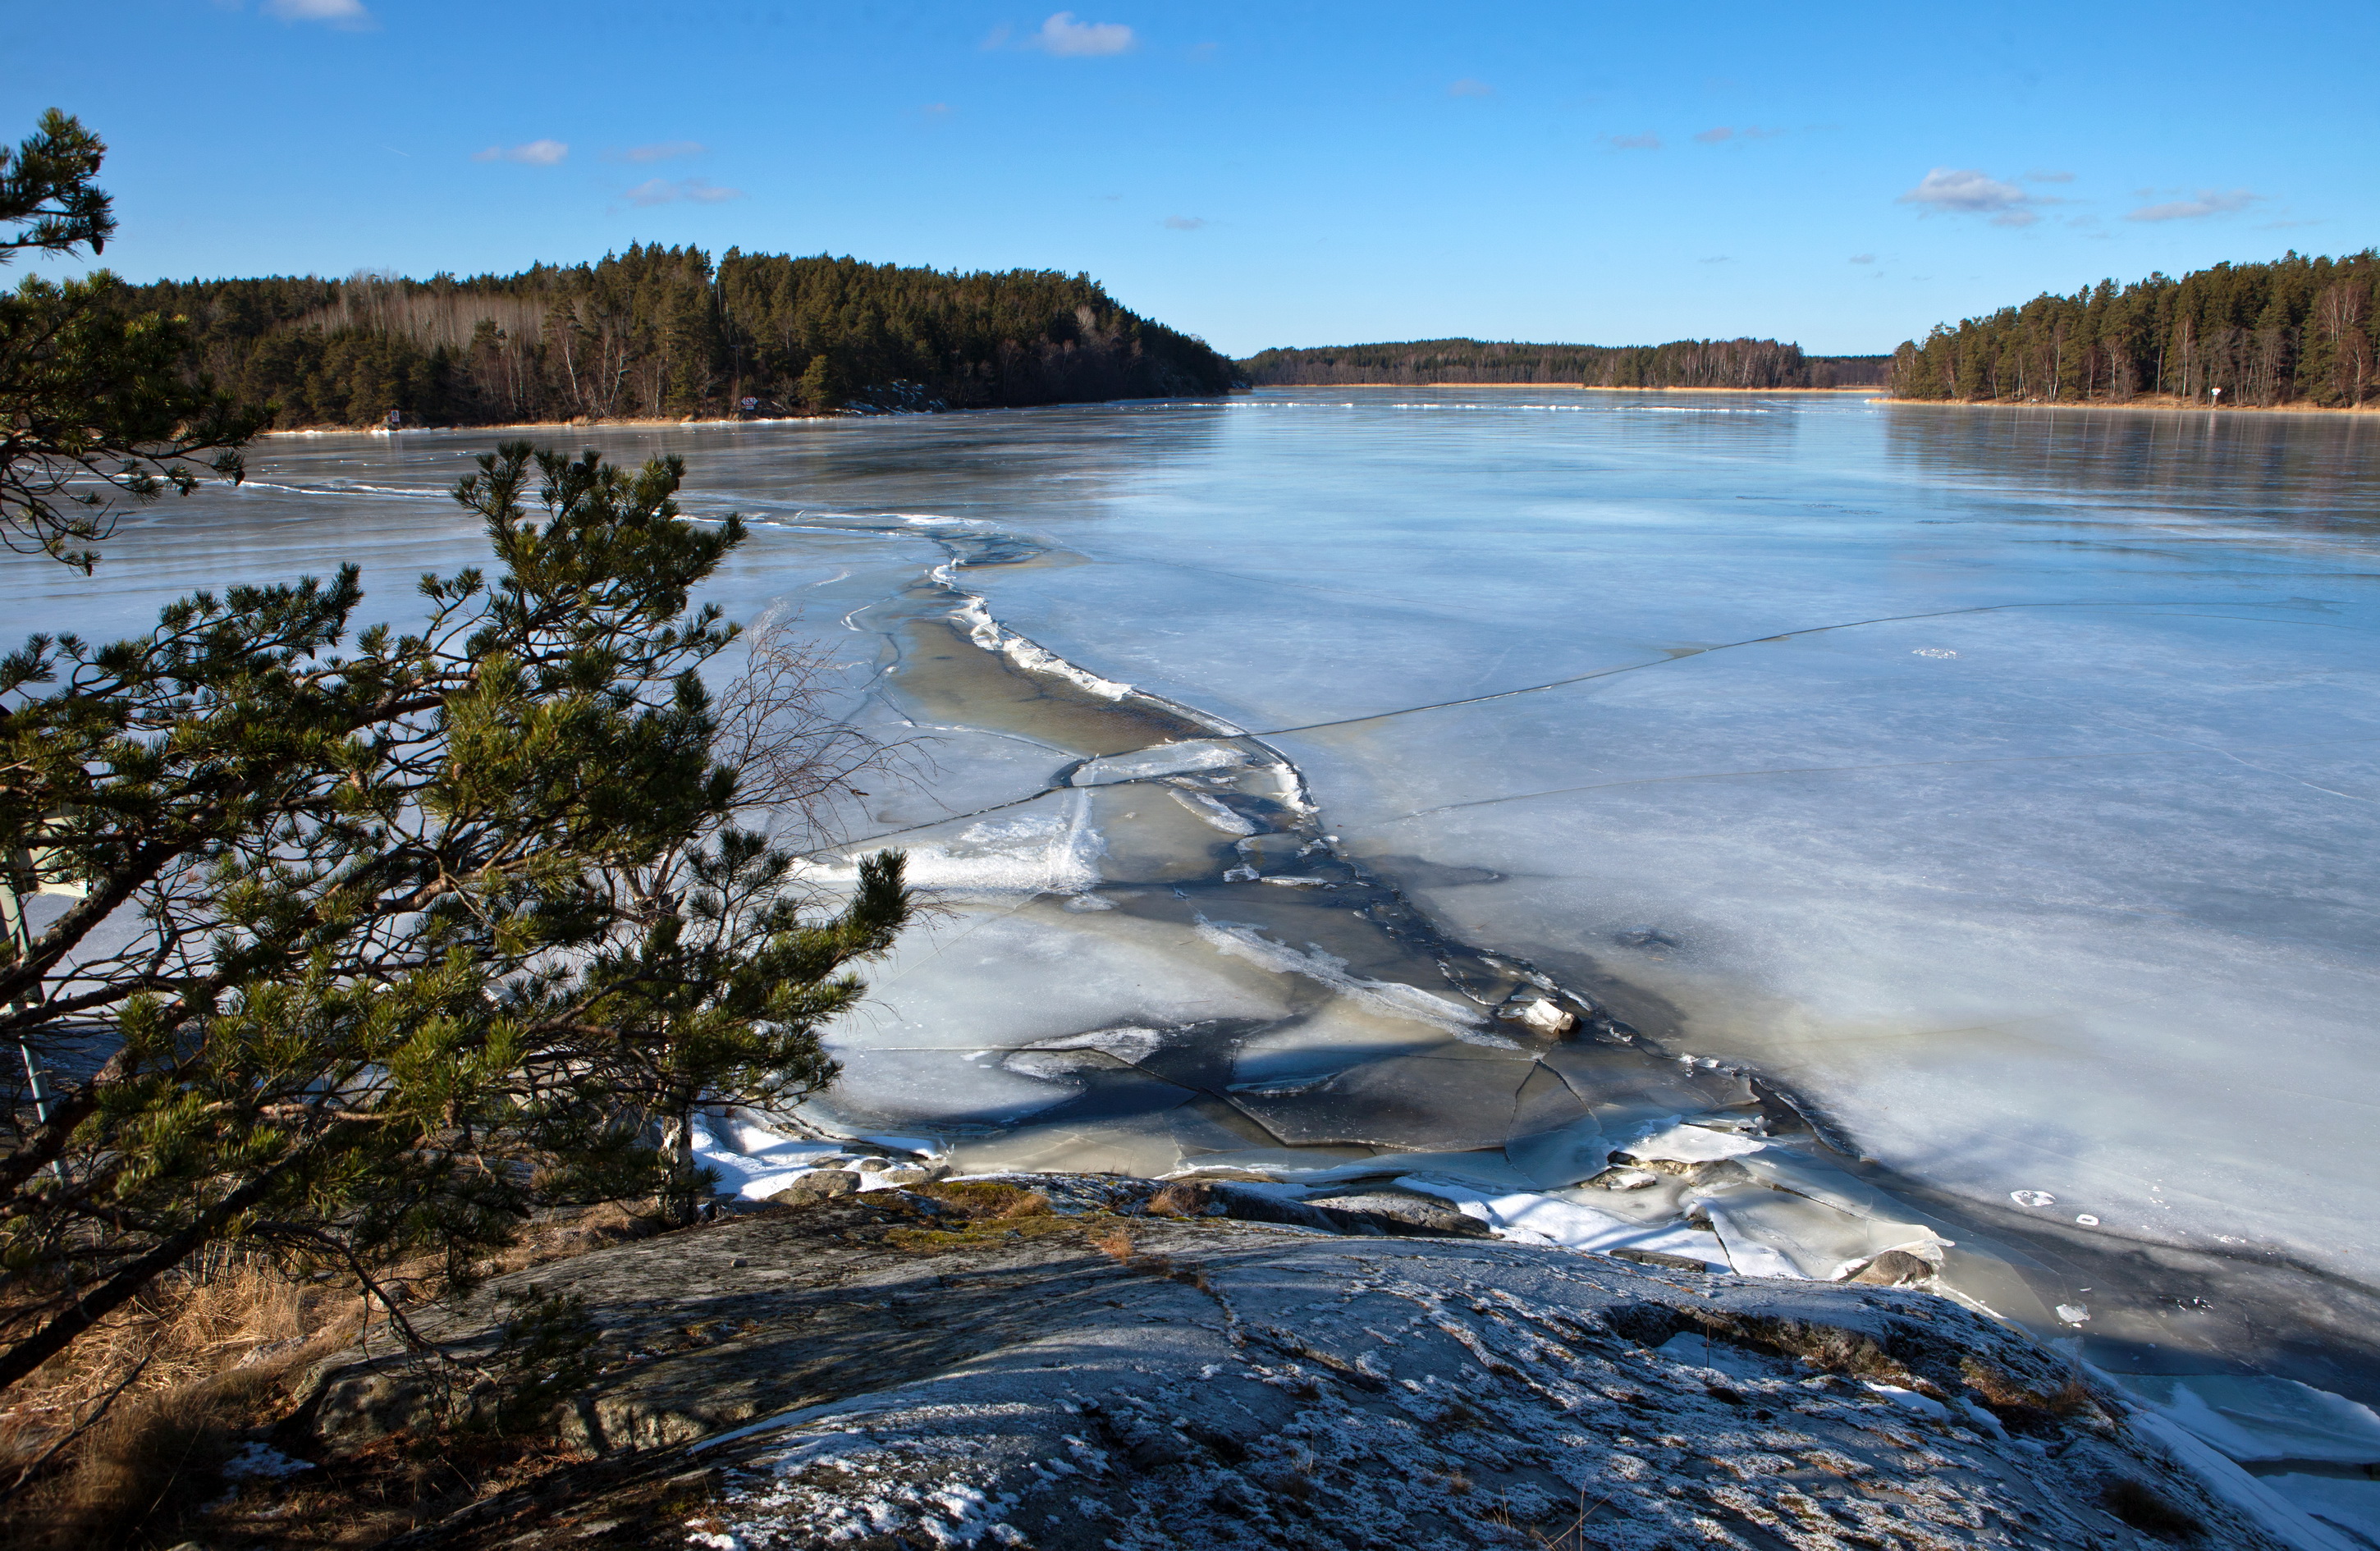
(2297, 330)
(660, 331)
(1684, 363)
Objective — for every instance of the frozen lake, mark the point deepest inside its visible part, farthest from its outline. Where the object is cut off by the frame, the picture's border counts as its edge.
(2002, 784)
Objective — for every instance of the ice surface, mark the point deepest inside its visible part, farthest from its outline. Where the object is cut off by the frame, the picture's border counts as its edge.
(2343, 1502)
(2005, 782)
(2253, 1418)
(2272, 1511)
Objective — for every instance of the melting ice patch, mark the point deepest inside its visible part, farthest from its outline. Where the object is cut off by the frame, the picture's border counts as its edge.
(1034, 854)
(986, 632)
(1165, 759)
(1380, 996)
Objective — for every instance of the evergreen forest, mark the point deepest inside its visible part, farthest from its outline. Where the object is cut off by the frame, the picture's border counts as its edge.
(658, 332)
(2295, 331)
(1685, 363)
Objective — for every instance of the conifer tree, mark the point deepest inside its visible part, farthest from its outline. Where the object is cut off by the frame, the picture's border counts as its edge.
(96, 403)
(384, 940)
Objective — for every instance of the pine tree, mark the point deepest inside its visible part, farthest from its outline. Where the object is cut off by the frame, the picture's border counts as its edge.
(97, 397)
(383, 940)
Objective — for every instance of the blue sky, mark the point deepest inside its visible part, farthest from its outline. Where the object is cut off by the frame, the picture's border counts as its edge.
(1276, 173)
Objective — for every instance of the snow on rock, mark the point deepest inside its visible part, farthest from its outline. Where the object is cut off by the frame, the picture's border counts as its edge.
(851, 1374)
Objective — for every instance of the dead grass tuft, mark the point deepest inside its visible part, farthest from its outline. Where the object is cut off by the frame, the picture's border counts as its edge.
(2141, 1506)
(1182, 1198)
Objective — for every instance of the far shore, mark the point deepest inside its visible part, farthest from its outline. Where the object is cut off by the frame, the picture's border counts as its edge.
(2164, 405)
(1574, 387)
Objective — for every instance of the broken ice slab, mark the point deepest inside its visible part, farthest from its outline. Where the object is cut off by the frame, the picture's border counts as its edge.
(1394, 999)
(1165, 759)
(1556, 1140)
(1301, 1052)
(2253, 1418)
(1450, 1097)
(1211, 812)
(1810, 1240)
(1684, 1141)
(1535, 1217)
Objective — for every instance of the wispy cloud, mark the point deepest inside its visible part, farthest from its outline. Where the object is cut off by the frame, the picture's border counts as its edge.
(662, 191)
(1965, 191)
(2210, 201)
(1646, 141)
(1716, 259)
(1722, 134)
(535, 153)
(2037, 176)
(1068, 39)
(1470, 87)
(659, 150)
(1862, 257)
(348, 13)
(1185, 223)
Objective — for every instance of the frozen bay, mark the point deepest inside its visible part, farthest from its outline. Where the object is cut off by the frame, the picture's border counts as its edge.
(2000, 782)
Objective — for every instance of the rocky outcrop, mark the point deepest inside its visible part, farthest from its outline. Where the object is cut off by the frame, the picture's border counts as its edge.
(1043, 1362)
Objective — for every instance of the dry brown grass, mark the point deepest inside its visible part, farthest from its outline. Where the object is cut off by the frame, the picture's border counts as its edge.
(120, 1438)
(135, 1421)
(1182, 1198)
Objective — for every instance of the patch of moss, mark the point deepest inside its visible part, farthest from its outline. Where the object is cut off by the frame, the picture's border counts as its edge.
(981, 1231)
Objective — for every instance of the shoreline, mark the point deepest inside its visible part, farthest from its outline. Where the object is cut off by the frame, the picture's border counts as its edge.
(2166, 404)
(2024, 1270)
(1564, 387)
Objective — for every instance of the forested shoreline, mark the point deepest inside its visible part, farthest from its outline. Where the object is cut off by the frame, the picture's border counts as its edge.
(657, 331)
(2297, 331)
(1684, 363)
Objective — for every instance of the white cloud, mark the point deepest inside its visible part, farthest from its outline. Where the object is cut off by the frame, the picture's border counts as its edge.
(1469, 87)
(1068, 39)
(338, 13)
(1722, 134)
(2210, 201)
(661, 151)
(535, 153)
(662, 191)
(1968, 192)
(1646, 141)
(1185, 223)
(1862, 257)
